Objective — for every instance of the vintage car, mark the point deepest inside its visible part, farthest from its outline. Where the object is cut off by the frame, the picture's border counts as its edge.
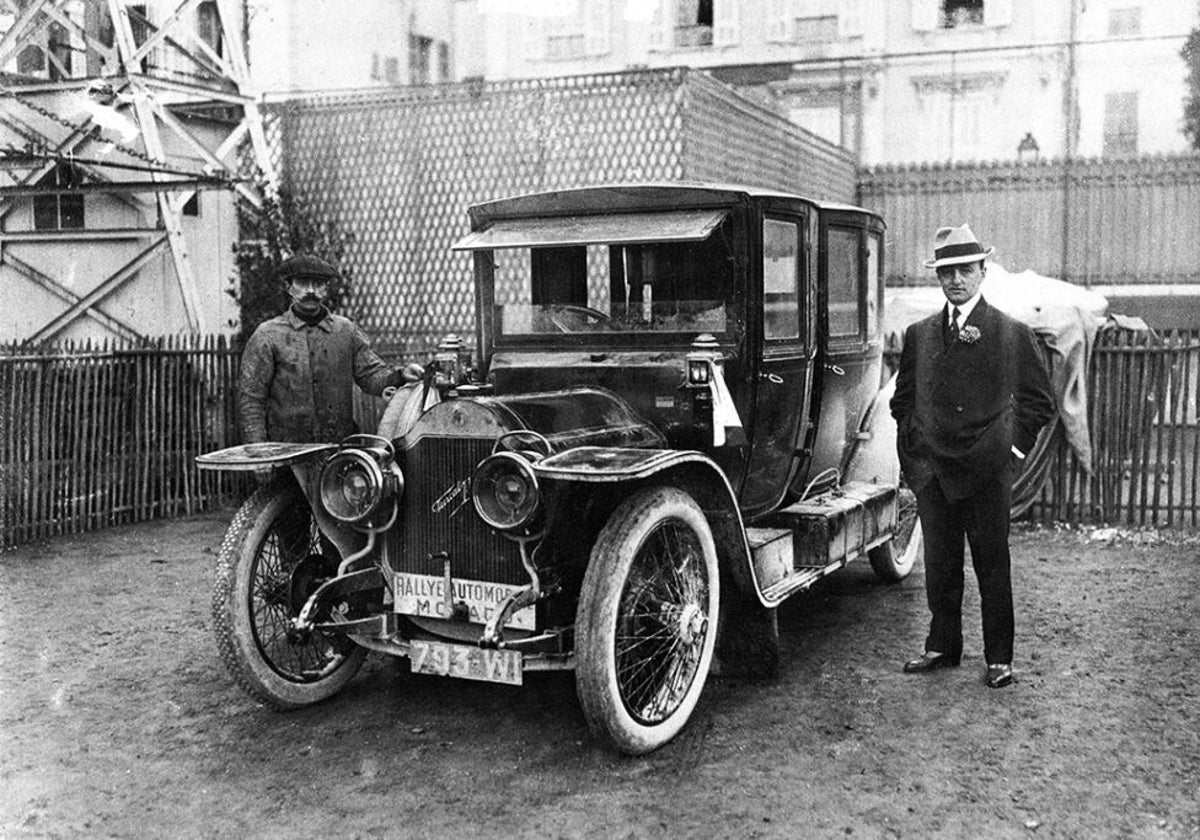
(676, 418)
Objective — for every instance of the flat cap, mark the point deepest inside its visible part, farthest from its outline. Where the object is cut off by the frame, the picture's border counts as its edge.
(305, 265)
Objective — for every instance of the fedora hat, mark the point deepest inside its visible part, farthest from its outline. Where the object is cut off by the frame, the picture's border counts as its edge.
(955, 246)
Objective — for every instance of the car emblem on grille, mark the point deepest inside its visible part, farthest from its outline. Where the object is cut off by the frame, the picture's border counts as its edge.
(459, 490)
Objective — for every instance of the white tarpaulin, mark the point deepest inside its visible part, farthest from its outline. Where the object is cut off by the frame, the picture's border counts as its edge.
(1065, 318)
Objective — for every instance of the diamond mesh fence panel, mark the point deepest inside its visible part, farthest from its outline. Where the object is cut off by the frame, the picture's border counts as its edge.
(398, 169)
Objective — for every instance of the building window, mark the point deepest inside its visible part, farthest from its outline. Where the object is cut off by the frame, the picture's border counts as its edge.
(566, 35)
(208, 25)
(1124, 23)
(815, 30)
(60, 52)
(420, 55)
(577, 30)
(53, 62)
(391, 70)
(693, 23)
(1120, 124)
(31, 60)
(443, 50)
(957, 13)
(970, 125)
(59, 210)
(564, 45)
(139, 27)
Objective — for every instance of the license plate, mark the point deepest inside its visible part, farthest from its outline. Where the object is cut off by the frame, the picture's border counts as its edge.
(425, 595)
(465, 662)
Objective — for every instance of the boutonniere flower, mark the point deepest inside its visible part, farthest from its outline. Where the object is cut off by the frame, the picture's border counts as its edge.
(968, 334)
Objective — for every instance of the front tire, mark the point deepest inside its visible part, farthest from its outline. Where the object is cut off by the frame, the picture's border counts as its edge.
(894, 560)
(647, 620)
(271, 559)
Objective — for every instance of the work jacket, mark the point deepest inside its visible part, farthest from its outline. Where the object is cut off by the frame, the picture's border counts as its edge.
(297, 379)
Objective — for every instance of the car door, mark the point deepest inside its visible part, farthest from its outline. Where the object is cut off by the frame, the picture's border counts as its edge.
(851, 254)
(783, 381)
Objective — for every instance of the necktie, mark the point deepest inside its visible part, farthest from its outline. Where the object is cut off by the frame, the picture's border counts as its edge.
(954, 324)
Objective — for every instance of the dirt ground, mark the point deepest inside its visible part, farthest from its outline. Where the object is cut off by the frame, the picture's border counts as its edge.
(118, 720)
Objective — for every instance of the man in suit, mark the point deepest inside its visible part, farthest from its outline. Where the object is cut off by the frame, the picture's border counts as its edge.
(971, 395)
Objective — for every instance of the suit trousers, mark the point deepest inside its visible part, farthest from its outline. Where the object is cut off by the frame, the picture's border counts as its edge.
(983, 519)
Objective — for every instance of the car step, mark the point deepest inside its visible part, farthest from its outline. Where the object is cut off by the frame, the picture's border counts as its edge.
(798, 545)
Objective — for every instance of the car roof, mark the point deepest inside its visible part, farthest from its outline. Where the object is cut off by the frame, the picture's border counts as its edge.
(633, 196)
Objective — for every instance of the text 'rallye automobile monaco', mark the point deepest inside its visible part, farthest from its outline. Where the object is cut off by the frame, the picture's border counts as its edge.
(677, 418)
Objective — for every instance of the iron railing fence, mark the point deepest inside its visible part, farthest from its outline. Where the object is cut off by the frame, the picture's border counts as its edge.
(1089, 222)
(395, 170)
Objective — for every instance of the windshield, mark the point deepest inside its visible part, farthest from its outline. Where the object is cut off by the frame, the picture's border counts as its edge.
(649, 287)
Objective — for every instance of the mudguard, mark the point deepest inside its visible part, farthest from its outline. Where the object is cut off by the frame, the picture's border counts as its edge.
(252, 456)
(873, 459)
(305, 461)
(692, 471)
(608, 464)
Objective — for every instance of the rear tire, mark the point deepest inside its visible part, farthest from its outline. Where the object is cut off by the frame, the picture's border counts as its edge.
(894, 560)
(256, 595)
(647, 620)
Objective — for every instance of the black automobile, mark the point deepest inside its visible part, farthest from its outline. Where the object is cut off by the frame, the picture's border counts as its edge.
(675, 418)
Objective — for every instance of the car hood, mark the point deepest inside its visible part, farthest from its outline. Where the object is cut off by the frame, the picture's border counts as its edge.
(566, 419)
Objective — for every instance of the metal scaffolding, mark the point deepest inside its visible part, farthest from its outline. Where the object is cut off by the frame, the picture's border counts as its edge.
(141, 81)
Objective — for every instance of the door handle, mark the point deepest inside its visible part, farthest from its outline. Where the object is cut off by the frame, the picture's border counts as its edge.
(836, 370)
(773, 378)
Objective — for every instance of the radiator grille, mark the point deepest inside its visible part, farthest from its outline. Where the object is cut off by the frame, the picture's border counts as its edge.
(437, 515)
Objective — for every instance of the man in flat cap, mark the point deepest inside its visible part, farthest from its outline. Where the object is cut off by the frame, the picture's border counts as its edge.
(971, 395)
(299, 367)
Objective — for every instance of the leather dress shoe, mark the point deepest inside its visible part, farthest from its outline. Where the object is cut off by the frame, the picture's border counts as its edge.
(999, 676)
(929, 661)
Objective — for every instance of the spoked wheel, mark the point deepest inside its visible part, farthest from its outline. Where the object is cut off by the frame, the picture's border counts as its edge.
(647, 620)
(893, 560)
(272, 559)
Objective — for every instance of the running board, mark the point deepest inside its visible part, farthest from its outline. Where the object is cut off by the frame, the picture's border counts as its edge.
(795, 547)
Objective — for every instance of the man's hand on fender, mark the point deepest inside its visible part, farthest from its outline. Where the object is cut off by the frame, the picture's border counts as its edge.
(412, 372)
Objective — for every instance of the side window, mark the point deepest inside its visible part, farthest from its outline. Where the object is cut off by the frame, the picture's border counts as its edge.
(781, 272)
(874, 284)
(844, 273)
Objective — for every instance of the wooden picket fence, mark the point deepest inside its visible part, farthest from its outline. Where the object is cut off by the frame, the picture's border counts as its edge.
(1144, 416)
(93, 435)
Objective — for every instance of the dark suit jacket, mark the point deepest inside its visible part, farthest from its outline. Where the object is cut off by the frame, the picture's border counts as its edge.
(960, 407)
